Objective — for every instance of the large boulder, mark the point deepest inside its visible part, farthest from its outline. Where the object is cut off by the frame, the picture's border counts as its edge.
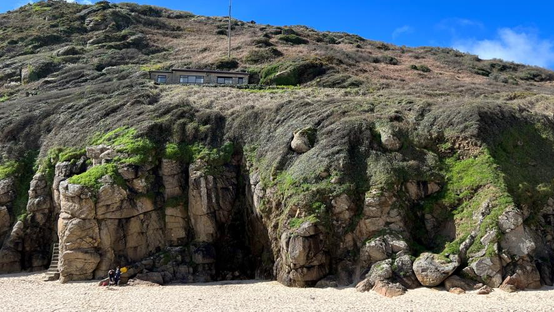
(524, 275)
(488, 270)
(78, 265)
(380, 271)
(431, 269)
(389, 140)
(302, 140)
(78, 234)
(518, 242)
(389, 289)
(404, 273)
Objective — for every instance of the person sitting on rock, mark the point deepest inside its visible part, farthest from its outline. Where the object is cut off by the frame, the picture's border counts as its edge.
(111, 276)
(117, 276)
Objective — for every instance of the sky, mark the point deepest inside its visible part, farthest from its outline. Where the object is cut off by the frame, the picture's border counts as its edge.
(519, 31)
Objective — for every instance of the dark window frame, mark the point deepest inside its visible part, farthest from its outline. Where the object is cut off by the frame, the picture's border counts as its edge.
(186, 79)
(240, 80)
(224, 80)
(160, 77)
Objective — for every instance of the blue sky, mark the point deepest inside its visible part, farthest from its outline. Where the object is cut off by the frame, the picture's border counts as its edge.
(520, 31)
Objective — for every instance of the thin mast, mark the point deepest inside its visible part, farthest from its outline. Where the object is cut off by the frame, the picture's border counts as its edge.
(229, 31)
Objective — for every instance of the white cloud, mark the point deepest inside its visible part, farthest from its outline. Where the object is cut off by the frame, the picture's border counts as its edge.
(512, 45)
(402, 30)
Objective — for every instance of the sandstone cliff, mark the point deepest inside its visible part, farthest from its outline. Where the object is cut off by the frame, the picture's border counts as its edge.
(404, 179)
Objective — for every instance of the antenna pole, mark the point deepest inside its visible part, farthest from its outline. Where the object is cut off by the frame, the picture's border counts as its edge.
(229, 31)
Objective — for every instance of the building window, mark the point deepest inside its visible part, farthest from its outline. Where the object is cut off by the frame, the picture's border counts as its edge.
(162, 79)
(191, 79)
(240, 80)
(224, 80)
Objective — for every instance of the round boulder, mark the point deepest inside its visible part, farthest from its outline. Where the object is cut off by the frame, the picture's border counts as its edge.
(431, 270)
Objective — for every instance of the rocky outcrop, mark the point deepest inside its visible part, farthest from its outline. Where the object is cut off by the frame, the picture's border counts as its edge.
(7, 191)
(211, 200)
(431, 270)
(303, 260)
(28, 244)
(303, 140)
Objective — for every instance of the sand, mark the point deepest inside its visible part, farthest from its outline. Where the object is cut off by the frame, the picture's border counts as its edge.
(27, 292)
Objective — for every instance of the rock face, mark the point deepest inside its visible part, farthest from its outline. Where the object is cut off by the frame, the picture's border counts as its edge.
(304, 260)
(29, 242)
(315, 186)
(430, 270)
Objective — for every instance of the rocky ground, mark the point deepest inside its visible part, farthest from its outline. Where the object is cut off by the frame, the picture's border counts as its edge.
(27, 292)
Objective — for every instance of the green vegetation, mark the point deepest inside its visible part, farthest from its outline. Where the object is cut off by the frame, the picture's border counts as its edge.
(295, 223)
(262, 42)
(4, 98)
(292, 72)
(226, 64)
(522, 152)
(40, 7)
(385, 59)
(124, 140)
(178, 152)
(9, 169)
(214, 157)
(91, 177)
(469, 183)
(292, 39)
(22, 172)
(47, 164)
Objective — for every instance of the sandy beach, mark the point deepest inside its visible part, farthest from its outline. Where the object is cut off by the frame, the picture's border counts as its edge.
(27, 292)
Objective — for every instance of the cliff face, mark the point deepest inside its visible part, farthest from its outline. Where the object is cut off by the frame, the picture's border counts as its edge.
(408, 178)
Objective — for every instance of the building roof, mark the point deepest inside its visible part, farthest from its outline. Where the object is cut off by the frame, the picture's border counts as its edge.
(200, 71)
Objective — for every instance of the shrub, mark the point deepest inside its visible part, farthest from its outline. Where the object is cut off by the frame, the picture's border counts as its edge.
(292, 73)
(9, 169)
(385, 59)
(422, 68)
(292, 39)
(226, 64)
(44, 40)
(262, 55)
(40, 70)
(178, 152)
(536, 75)
(221, 32)
(262, 42)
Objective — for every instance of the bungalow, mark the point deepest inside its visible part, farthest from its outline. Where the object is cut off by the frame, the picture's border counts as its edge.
(198, 76)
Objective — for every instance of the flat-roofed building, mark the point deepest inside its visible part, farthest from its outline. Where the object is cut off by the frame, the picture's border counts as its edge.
(198, 76)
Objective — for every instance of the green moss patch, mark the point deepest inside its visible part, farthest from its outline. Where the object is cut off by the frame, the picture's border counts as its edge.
(9, 169)
(91, 177)
(125, 140)
(469, 183)
(295, 223)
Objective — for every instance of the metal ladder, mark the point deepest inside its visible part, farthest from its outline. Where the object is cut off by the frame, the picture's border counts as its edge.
(53, 273)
